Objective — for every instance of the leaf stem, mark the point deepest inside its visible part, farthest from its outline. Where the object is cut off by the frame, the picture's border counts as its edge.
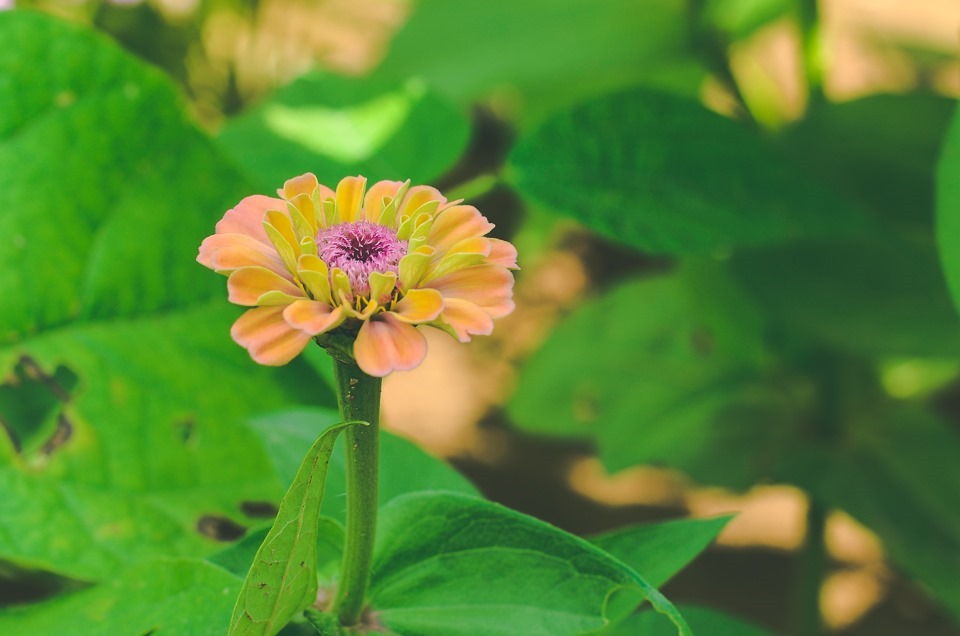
(359, 398)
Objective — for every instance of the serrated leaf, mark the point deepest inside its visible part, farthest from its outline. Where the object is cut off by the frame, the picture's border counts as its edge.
(283, 578)
(455, 565)
(660, 550)
(663, 174)
(106, 190)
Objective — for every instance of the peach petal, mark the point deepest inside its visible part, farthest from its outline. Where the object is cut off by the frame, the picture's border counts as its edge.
(267, 337)
(224, 253)
(386, 344)
(373, 201)
(304, 184)
(350, 198)
(503, 253)
(456, 224)
(465, 318)
(313, 317)
(419, 305)
(247, 284)
(488, 286)
(418, 196)
(247, 217)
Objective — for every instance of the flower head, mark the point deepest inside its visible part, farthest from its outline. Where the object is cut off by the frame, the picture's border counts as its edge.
(368, 264)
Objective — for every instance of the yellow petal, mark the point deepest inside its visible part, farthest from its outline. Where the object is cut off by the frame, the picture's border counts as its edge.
(382, 286)
(313, 317)
(378, 196)
(247, 285)
(419, 305)
(247, 217)
(456, 224)
(279, 228)
(304, 184)
(303, 212)
(418, 196)
(349, 198)
(386, 344)
(313, 272)
(413, 267)
(268, 337)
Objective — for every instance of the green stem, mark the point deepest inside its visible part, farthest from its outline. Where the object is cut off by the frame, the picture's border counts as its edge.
(359, 398)
(813, 568)
(813, 55)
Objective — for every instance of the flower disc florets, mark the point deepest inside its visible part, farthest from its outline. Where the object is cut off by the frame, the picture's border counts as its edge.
(371, 263)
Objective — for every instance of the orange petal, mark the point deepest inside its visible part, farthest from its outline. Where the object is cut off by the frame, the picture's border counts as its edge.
(247, 285)
(488, 286)
(456, 224)
(304, 184)
(419, 305)
(226, 252)
(313, 317)
(247, 217)
(503, 253)
(386, 344)
(465, 318)
(349, 198)
(267, 336)
(373, 201)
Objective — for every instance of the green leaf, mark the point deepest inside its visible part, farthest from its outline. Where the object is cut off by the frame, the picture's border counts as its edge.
(438, 553)
(739, 19)
(948, 208)
(283, 578)
(106, 190)
(175, 596)
(874, 296)
(548, 51)
(334, 127)
(654, 372)
(663, 174)
(701, 619)
(660, 550)
(404, 468)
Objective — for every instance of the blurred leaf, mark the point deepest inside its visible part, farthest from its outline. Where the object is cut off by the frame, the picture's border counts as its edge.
(655, 374)
(283, 578)
(876, 297)
(664, 174)
(546, 52)
(404, 468)
(437, 554)
(741, 18)
(106, 190)
(660, 550)
(898, 475)
(881, 149)
(175, 596)
(948, 208)
(335, 126)
(701, 619)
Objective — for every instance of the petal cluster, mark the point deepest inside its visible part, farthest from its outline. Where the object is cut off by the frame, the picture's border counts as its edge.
(371, 263)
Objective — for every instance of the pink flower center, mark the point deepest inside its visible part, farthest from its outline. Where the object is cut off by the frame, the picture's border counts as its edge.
(360, 249)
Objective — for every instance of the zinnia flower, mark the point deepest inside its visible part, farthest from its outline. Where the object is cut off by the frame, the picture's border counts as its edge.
(369, 264)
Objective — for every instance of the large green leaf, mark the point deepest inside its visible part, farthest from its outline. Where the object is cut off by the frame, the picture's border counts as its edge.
(546, 52)
(701, 619)
(283, 578)
(165, 596)
(655, 373)
(880, 297)
(455, 565)
(948, 207)
(660, 550)
(334, 126)
(106, 190)
(662, 173)
(404, 468)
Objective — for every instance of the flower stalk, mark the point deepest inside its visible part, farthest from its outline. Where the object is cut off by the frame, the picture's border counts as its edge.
(359, 397)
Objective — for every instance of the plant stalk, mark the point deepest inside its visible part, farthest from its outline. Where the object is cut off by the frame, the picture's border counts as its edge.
(359, 397)
(813, 568)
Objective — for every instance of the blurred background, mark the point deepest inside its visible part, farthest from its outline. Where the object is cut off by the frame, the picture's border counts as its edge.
(802, 372)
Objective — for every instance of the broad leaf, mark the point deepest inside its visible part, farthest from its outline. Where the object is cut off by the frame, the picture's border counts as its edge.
(663, 174)
(175, 596)
(106, 190)
(948, 208)
(455, 565)
(404, 468)
(334, 126)
(283, 578)
(660, 550)
(701, 619)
